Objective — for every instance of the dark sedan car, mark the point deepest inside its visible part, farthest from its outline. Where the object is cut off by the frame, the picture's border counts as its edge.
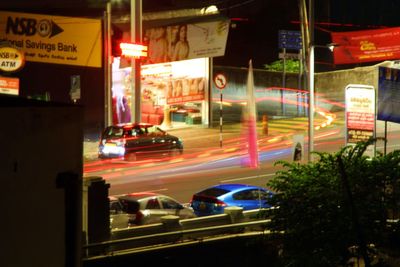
(134, 139)
(214, 199)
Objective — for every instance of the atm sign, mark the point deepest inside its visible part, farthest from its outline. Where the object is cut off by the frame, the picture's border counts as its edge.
(10, 59)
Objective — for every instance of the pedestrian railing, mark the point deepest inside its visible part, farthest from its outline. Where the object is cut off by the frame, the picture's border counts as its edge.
(172, 231)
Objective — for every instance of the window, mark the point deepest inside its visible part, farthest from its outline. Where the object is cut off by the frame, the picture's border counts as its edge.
(138, 131)
(114, 132)
(251, 194)
(264, 195)
(155, 131)
(153, 204)
(243, 195)
(169, 203)
(213, 192)
(115, 207)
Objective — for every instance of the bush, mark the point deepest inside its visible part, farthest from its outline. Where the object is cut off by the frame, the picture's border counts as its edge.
(340, 201)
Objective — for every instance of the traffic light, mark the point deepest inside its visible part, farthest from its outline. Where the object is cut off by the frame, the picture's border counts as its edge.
(116, 39)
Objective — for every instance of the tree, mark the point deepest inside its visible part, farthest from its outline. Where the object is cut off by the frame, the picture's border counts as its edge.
(291, 66)
(322, 215)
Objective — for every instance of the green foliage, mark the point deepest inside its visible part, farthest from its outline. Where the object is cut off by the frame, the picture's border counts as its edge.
(291, 66)
(315, 211)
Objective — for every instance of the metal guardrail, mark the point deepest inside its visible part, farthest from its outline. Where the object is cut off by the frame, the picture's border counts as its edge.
(174, 232)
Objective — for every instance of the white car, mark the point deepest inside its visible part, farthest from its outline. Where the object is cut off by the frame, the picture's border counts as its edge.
(144, 208)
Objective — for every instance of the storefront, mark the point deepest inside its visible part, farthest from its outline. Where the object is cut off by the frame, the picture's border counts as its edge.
(171, 93)
(174, 76)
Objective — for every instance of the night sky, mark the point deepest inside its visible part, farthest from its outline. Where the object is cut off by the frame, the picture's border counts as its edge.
(256, 23)
(256, 36)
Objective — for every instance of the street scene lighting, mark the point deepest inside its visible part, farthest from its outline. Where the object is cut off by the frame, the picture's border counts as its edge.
(114, 115)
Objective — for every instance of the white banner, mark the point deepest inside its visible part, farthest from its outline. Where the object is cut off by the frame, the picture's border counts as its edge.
(186, 41)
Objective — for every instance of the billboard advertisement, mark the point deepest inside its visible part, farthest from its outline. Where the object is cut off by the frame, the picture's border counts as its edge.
(175, 82)
(172, 83)
(53, 39)
(186, 41)
(389, 94)
(366, 46)
(360, 113)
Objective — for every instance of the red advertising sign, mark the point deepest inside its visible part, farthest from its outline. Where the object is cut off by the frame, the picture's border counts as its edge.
(366, 46)
(9, 86)
(133, 50)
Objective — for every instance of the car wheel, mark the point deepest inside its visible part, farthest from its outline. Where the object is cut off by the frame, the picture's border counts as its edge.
(131, 157)
(173, 152)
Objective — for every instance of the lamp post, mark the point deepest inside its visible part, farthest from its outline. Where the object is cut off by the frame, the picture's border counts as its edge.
(311, 103)
(136, 37)
(311, 81)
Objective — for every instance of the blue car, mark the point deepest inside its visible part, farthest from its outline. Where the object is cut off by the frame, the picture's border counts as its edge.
(213, 200)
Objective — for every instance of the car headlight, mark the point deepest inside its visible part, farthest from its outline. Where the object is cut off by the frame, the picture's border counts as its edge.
(119, 143)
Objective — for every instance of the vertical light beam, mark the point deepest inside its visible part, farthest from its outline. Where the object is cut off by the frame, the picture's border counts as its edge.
(251, 120)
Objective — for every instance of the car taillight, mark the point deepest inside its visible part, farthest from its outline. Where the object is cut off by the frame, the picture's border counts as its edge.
(139, 217)
(135, 218)
(220, 203)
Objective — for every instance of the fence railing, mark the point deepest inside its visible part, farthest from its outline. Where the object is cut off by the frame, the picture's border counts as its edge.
(172, 231)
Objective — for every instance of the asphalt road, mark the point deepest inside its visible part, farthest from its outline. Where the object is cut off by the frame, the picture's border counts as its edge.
(205, 163)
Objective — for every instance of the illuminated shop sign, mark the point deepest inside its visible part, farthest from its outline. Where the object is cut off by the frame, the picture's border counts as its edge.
(133, 50)
(9, 86)
(161, 84)
(53, 39)
(175, 82)
(360, 113)
(366, 46)
(11, 59)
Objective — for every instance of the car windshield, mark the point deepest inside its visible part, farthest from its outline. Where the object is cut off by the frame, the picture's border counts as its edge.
(154, 130)
(113, 132)
(213, 192)
(138, 130)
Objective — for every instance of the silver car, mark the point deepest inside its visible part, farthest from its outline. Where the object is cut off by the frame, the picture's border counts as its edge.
(144, 208)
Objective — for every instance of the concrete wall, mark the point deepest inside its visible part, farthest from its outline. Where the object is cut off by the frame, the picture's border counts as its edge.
(333, 83)
(329, 86)
(41, 173)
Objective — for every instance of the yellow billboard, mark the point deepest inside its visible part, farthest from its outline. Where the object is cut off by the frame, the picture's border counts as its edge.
(53, 39)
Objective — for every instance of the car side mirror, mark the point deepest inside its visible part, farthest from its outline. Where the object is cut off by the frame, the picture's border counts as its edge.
(161, 131)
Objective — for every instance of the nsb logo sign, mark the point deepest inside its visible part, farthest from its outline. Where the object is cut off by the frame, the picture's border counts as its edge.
(30, 27)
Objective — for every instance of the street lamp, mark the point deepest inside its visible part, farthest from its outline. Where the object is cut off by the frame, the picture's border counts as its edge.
(311, 63)
(136, 37)
(331, 47)
(311, 80)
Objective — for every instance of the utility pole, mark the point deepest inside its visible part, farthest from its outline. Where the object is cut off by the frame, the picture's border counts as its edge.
(136, 37)
(311, 81)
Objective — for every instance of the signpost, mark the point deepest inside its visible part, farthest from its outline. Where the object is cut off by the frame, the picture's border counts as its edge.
(288, 40)
(220, 82)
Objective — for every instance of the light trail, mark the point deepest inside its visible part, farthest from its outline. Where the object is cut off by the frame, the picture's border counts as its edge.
(247, 178)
